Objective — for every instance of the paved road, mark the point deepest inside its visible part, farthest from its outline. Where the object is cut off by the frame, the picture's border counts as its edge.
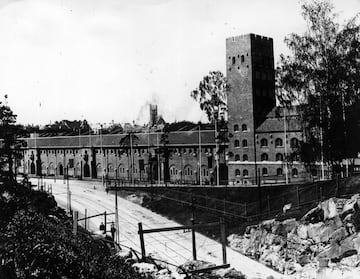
(175, 246)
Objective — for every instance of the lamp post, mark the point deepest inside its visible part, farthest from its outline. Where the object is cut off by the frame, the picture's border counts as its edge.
(200, 177)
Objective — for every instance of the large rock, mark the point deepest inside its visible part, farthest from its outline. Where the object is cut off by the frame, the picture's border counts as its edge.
(314, 215)
(329, 209)
(338, 235)
(336, 252)
(302, 231)
(314, 231)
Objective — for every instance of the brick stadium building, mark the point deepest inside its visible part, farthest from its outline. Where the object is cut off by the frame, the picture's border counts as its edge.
(261, 137)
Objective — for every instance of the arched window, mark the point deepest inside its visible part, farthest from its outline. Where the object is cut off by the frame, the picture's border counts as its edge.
(243, 127)
(245, 157)
(278, 142)
(279, 171)
(245, 173)
(236, 143)
(294, 172)
(244, 143)
(237, 157)
(237, 172)
(279, 157)
(264, 157)
(264, 171)
(236, 127)
(233, 60)
(263, 143)
(294, 142)
(242, 58)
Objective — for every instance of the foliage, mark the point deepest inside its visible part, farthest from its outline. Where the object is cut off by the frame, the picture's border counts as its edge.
(36, 241)
(211, 94)
(322, 74)
(10, 145)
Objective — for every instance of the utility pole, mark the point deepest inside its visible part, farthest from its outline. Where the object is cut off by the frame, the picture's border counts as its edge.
(285, 150)
(158, 156)
(200, 175)
(132, 160)
(216, 153)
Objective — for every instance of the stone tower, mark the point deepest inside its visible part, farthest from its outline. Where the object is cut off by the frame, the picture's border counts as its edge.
(250, 72)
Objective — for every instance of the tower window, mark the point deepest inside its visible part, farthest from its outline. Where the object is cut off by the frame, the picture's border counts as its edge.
(279, 171)
(263, 143)
(233, 60)
(243, 127)
(264, 171)
(242, 58)
(245, 157)
(278, 142)
(244, 143)
(237, 172)
(294, 142)
(237, 157)
(264, 157)
(294, 172)
(245, 173)
(279, 157)
(236, 127)
(237, 143)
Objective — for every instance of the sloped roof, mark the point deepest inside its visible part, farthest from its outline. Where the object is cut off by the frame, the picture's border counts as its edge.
(113, 140)
(275, 121)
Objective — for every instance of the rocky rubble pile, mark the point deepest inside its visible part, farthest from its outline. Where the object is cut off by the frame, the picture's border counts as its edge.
(325, 241)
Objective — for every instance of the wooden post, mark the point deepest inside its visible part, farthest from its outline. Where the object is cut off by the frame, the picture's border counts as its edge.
(297, 195)
(259, 194)
(223, 239)
(105, 221)
(117, 216)
(142, 243)
(224, 206)
(193, 239)
(85, 219)
(321, 193)
(75, 221)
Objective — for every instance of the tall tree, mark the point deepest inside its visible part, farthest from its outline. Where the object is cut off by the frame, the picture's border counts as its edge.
(10, 145)
(211, 95)
(322, 75)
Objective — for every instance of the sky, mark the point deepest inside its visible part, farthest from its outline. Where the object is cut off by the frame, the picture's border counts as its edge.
(108, 60)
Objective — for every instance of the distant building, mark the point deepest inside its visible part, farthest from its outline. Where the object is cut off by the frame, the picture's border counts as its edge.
(264, 140)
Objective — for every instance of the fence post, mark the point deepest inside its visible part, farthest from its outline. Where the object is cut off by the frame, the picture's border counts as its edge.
(142, 243)
(321, 193)
(297, 195)
(223, 239)
(105, 221)
(85, 218)
(75, 221)
(245, 209)
(224, 206)
(193, 239)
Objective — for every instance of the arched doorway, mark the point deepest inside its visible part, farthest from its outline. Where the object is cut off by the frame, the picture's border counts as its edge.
(86, 170)
(61, 169)
(32, 168)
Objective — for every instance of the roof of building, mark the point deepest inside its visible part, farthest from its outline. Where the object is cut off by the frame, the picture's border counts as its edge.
(275, 121)
(183, 138)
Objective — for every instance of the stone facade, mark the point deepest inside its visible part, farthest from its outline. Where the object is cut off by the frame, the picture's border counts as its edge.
(129, 157)
(257, 148)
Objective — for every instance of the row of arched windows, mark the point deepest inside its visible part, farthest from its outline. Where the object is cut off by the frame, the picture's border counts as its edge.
(244, 143)
(243, 128)
(294, 142)
(264, 157)
(264, 171)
